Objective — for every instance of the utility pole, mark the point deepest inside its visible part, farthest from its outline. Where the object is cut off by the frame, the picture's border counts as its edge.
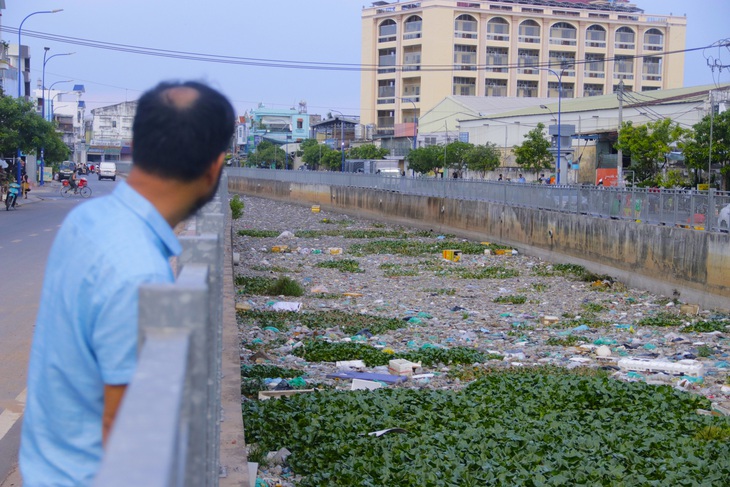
(712, 120)
(620, 155)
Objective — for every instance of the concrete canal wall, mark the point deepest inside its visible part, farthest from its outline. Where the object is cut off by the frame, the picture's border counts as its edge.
(691, 264)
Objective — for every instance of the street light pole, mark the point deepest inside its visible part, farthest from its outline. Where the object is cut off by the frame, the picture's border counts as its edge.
(415, 119)
(20, 91)
(45, 61)
(43, 83)
(43, 94)
(50, 104)
(560, 98)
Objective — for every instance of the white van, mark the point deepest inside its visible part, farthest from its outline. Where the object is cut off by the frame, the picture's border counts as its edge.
(107, 170)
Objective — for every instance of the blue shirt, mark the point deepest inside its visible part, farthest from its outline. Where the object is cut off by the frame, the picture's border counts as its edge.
(86, 331)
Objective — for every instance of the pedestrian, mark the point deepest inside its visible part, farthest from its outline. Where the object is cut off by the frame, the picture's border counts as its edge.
(521, 179)
(84, 351)
(542, 179)
(600, 182)
(25, 186)
(499, 178)
(4, 180)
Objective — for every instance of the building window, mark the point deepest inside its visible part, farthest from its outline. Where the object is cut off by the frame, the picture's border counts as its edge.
(410, 116)
(652, 70)
(495, 87)
(465, 27)
(412, 58)
(114, 124)
(627, 88)
(386, 119)
(653, 40)
(411, 90)
(464, 86)
(592, 90)
(497, 59)
(623, 67)
(596, 36)
(386, 91)
(412, 27)
(529, 32)
(465, 57)
(387, 31)
(625, 38)
(526, 59)
(527, 89)
(563, 34)
(649, 88)
(386, 60)
(300, 123)
(568, 90)
(498, 29)
(429, 141)
(595, 66)
(563, 61)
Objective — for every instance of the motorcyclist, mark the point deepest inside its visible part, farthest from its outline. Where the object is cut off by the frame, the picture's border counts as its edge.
(72, 182)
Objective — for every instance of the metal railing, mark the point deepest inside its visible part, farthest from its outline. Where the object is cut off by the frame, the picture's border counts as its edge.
(687, 208)
(167, 432)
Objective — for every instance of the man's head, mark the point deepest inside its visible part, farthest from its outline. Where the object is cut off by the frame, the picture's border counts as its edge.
(180, 130)
(181, 133)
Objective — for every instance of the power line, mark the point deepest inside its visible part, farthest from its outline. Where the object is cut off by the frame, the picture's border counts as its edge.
(315, 65)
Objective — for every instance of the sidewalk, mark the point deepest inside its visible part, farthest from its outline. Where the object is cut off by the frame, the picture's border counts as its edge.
(39, 193)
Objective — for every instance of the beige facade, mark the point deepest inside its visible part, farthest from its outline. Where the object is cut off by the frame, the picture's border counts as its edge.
(416, 53)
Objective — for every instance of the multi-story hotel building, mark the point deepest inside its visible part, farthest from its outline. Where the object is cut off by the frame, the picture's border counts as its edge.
(416, 53)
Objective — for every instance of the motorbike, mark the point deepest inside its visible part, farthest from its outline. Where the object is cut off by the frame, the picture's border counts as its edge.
(82, 188)
(12, 196)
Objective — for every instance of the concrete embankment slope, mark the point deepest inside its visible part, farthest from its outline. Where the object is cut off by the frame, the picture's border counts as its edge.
(693, 265)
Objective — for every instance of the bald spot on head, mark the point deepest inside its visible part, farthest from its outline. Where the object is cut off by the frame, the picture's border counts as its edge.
(181, 97)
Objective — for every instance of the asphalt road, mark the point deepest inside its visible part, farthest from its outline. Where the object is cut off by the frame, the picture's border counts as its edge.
(26, 235)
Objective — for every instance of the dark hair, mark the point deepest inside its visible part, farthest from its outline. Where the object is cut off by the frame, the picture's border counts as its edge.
(177, 138)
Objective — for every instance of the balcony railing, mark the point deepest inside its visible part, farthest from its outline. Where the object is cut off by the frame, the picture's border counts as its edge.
(596, 38)
(563, 37)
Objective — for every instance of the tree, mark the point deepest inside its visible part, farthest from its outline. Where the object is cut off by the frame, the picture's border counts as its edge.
(311, 151)
(648, 145)
(22, 128)
(331, 159)
(318, 155)
(367, 151)
(533, 154)
(483, 158)
(456, 155)
(697, 146)
(423, 160)
(267, 154)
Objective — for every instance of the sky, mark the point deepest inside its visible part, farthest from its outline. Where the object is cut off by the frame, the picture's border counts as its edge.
(321, 31)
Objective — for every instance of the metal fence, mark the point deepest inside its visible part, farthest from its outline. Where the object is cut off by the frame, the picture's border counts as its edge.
(707, 210)
(167, 430)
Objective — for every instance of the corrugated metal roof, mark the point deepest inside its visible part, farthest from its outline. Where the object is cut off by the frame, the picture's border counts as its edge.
(488, 105)
(604, 102)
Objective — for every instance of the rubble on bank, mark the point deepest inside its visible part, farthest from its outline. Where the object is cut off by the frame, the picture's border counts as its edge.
(376, 293)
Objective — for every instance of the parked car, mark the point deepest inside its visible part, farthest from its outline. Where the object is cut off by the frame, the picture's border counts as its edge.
(66, 169)
(107, 170)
